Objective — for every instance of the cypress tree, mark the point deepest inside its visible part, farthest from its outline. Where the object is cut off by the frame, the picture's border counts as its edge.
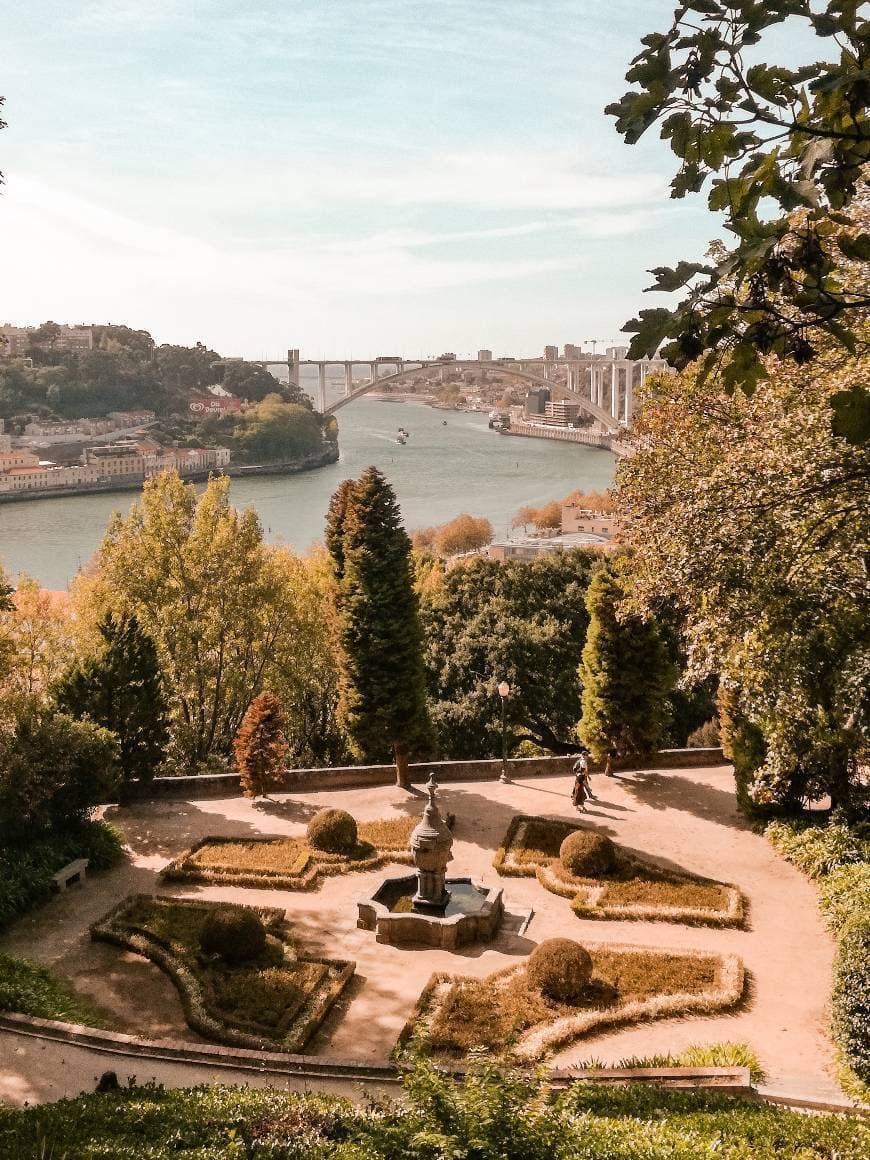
(382, 694)
(261, 746)
(626, 676)
(121, 688)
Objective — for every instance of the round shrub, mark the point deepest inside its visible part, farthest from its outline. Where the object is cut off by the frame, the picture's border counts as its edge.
(586, 854)
(333, 831)
(236, 936)
(560, 968)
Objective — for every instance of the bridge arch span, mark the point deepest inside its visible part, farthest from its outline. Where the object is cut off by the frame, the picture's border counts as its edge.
(589, 408)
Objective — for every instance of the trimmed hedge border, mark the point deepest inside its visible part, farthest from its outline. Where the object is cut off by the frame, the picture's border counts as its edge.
(310, 868)
(586, 893)
(194, 997)
(537, 1042)
(851, 996)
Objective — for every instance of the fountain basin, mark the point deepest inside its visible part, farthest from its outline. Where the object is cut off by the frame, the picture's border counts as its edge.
(473, 914)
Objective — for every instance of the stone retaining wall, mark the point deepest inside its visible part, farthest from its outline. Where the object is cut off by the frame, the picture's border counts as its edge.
(357, 776)
(321, 1074)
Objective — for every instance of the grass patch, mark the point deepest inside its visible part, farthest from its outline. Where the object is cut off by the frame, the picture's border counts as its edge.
(634, 888)
(275, 856)
(654, 892)
(30, 989)
(289, 863)
(508, 1018)
(697, 1055)
(387, 833)
(541, 839)
(276, 1002)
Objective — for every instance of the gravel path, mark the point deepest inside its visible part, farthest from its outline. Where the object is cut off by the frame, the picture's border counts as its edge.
(684, 818)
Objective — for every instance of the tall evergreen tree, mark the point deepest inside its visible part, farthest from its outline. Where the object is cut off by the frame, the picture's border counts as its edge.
(382, 685)
(261, 746)
(626, 676)
(121, 688)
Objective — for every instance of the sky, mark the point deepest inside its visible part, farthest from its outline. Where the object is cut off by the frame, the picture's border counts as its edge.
(350, 177)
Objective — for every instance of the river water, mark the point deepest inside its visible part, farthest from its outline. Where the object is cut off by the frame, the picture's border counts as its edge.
(451, 463)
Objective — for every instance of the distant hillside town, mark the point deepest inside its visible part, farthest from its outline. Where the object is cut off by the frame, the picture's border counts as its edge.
(93, 406)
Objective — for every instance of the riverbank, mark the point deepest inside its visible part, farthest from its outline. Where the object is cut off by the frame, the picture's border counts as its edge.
(560, 434)
(451, 463)
(329, 454)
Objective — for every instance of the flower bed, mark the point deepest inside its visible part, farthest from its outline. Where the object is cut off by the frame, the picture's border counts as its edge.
(509, 1018)
(275, 1003)
(633, 889)
(289, 863)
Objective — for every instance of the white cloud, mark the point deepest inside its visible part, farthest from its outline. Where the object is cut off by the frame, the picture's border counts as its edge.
(495, 181)
(73, 259)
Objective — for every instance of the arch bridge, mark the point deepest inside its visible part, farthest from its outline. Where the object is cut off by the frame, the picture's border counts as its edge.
(595, 411)
(602, 386)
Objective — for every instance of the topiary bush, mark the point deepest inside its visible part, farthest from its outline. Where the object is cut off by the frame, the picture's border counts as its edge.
(235, 935)
(586, 854)
(560, 968)
(333, 831)
(851, 997)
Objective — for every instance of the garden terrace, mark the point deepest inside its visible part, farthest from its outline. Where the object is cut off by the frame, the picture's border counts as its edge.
(511, 1019)
(632, 888)
(273, 1001)
(688, 817)
(289, 863)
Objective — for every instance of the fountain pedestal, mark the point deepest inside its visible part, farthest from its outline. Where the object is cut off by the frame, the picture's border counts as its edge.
(431, 844)
(431, 908)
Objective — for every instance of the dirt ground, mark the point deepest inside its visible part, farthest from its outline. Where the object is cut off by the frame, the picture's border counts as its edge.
(681, 818)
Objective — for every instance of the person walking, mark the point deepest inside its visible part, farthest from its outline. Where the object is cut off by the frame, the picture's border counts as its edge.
(581, 789)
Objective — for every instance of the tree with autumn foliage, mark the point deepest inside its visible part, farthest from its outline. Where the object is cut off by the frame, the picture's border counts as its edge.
(382, 692)
(464, 533)
(35, 640)
(260, 746)
(218, 603)
(751, 515)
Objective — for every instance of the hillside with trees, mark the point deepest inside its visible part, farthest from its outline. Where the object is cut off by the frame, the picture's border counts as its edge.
(125, 370)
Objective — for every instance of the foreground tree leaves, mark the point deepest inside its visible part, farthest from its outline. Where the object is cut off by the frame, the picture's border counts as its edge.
(796, 140)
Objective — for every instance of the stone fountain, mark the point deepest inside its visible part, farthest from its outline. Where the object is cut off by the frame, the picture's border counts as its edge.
(429, 907)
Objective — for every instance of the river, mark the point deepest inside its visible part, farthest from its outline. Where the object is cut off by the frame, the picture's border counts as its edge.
(451, 463)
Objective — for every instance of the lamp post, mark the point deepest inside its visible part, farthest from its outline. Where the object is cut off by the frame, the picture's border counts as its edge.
(504, 692)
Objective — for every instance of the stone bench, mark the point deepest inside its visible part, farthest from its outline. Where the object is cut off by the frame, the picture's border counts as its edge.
(75, 871)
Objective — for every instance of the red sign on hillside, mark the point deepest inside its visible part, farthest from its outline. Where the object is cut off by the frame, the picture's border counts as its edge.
(202, 405)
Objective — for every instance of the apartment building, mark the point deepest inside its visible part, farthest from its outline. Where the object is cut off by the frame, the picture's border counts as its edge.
(15, 341)
(582, 520)
(130, 463)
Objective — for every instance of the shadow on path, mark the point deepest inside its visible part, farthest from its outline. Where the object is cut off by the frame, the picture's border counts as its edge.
(672, 791)
(164, 829)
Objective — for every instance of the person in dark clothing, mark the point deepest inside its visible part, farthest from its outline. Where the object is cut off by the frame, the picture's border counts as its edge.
(582, 788)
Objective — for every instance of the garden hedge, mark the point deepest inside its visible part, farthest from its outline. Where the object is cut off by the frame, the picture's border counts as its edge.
(488, 1117)
(26, 871)
(838, 857)
(851, 998)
